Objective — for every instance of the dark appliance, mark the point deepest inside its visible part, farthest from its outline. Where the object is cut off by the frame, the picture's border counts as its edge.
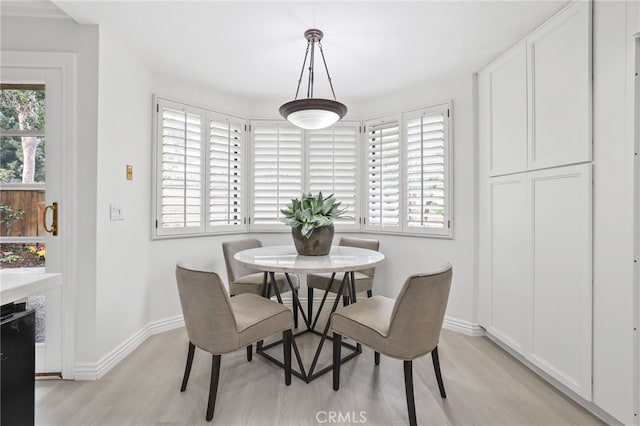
(17, 359)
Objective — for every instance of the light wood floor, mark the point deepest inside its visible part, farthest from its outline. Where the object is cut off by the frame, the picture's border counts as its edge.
(485, 386)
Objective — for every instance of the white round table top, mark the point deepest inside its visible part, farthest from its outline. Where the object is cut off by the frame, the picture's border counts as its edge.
(287, 259)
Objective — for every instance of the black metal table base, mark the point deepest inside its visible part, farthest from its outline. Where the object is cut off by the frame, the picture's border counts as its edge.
(301, 373)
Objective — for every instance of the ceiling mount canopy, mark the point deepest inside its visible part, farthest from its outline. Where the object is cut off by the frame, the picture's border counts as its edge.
(313, 113)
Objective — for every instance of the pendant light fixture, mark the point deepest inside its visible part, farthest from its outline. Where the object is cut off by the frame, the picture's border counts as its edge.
(313, 113)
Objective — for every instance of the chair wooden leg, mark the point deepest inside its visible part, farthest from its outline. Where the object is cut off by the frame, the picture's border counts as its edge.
(369, 293)
(408, 386)
(345, 300)
(287, 336)
(249, 353)
(310, 304)
(295, 310)
(376, 358)
(436, 367)
(187, 368)
(213, 386)
(337, 346)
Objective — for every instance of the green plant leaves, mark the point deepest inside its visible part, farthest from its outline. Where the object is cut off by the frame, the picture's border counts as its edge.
(311, 212)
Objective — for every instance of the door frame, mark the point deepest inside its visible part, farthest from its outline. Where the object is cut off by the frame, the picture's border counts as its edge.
(633, 101)
(66, 64)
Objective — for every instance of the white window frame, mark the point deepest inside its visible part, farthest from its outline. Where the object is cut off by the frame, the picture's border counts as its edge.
(339, 226)
(157, 232)
(274, 227)
(305, 177)
(380, 122)
(240, 122)
(447, 230)
(360, 224)
(403, 229)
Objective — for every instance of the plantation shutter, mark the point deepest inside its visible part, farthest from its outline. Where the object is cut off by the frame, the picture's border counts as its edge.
(332, 168)
(226, 172)
(383, 174)
(277, 170)
(426, 134)
(181, 189)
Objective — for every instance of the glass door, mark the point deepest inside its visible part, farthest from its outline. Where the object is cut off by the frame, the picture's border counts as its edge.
(30, 143)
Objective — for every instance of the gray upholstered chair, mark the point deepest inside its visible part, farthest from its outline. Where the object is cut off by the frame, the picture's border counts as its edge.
(243, 279)
(363, 279)
(406, 328)
(219, 324)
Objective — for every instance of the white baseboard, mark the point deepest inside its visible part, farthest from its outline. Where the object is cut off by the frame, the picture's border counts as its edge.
(166, 324)
(463, 327)
(95, 370)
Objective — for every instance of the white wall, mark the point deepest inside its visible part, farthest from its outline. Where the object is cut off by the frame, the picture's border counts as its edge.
(124, 135)
(614, 24)
(199, 96)
(64, 35)
(200, 251)
(136, 275)
(407, 255)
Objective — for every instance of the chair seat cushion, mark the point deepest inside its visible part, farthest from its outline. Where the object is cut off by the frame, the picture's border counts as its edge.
(252, 284)
(366, 321)
(258, 317)
(321, 281)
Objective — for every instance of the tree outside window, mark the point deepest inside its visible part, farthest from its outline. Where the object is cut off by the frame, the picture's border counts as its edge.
(22, 148)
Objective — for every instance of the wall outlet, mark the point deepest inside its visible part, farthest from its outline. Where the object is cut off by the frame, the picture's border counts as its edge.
(116, 212)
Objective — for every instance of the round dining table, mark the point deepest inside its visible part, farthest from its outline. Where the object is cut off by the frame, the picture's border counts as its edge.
(285, 259)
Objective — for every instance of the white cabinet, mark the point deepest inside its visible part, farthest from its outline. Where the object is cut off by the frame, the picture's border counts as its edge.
(539, 97)
(539, 279)
(507, 79)
(560, 88)
(561, 284)
(509, 259)
(535, 198)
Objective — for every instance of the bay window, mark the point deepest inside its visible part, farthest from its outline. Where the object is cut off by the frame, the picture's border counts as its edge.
(216, 173)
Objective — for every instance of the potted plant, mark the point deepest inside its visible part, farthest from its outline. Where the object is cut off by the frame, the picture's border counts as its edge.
(311, 222)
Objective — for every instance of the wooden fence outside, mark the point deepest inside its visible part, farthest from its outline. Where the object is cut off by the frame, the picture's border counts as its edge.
(32, 201)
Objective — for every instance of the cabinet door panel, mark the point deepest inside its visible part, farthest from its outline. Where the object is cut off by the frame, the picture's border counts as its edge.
(560, 58)
(509, 258)
(561, 265)
(508, 141)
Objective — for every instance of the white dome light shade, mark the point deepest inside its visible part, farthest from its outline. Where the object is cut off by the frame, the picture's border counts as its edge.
(313, 119)
(313, 114)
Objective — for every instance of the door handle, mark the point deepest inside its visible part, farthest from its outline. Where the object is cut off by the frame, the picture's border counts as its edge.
(54, 218)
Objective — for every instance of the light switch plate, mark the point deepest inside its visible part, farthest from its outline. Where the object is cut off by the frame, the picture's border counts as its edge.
(116, 212)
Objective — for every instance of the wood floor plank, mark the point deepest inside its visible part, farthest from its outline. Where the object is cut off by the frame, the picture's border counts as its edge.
(484, 384)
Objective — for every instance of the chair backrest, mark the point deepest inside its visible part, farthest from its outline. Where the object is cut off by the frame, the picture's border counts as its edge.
(362, 243)
(235, 269)
(418, 313)
(207, 310)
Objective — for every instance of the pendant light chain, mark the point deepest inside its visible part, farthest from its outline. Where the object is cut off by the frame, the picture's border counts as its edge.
(327, 69)
(311, 67)
(306, 53)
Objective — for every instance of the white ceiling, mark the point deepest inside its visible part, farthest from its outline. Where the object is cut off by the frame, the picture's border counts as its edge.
(255, 49)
